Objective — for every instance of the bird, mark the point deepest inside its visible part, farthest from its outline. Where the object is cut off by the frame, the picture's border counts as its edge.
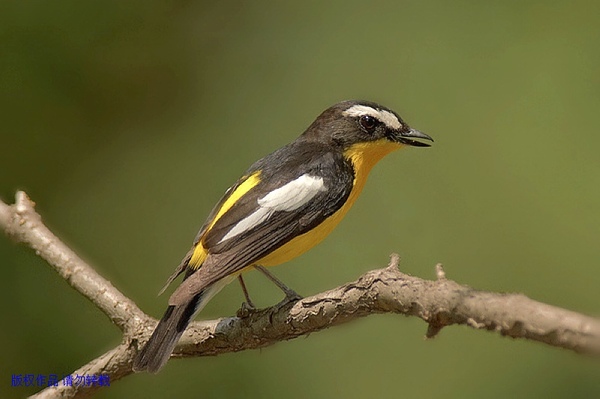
(283, 205)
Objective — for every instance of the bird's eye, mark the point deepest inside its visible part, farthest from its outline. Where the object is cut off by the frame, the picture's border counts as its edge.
(368, 122)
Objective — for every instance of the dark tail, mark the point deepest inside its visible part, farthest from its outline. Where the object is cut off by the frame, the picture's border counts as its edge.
(159, 347)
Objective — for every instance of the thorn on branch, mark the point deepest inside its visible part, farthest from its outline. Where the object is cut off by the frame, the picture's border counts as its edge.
(473, 323)
(23, 202)
(433, 329)
(436, 323)
(394, 261)
(439, 272)
(22, 212)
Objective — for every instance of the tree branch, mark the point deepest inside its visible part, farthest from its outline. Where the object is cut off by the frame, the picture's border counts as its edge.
(24, 224)
(440, 303)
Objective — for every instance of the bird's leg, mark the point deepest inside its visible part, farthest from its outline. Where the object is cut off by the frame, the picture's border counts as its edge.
(290, 294)
(245, 290)
(248, 306)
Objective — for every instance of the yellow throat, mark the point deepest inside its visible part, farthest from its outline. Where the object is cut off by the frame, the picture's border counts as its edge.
(363, 157)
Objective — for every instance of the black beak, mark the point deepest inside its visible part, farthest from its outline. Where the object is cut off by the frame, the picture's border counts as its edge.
(406, 137)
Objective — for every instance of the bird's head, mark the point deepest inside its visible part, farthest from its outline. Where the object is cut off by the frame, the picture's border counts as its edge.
(353, 124)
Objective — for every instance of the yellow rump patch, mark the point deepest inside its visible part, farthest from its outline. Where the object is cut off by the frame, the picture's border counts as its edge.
(238, 193)
(200, 253)
(198, 256)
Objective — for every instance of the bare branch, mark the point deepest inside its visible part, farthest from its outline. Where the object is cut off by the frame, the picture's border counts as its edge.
(24, 224)
(115, 363)
(440, 303)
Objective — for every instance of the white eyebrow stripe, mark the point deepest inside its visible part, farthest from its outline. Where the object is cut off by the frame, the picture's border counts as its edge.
(390, 120)
(288, 197)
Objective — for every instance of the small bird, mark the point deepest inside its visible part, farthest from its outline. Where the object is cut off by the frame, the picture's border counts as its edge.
(286, 203)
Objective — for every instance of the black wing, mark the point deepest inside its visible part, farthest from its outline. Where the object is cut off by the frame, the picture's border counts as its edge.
(183, 265)
(230, 255)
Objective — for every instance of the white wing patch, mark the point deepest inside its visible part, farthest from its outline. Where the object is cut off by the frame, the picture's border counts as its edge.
(293, 194)
(288, 197)
(388, 118)
(254, 219)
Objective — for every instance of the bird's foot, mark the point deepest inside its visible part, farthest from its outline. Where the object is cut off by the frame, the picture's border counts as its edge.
(246, 310)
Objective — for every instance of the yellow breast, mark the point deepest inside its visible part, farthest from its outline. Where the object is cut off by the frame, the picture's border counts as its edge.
(363, 157)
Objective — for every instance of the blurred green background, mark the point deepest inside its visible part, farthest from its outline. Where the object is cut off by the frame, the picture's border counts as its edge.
(126, 120)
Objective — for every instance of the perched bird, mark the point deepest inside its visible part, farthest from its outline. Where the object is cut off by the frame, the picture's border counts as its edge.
(285, 204)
